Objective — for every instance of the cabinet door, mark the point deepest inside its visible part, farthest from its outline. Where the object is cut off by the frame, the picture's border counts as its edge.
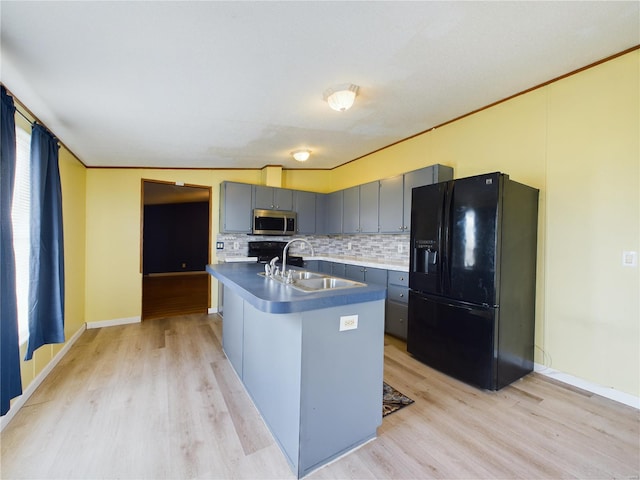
(325, 267)
(375, 276)
(417, 178)
(395, 320)
(322, 209)
(442, 173)
(272, 198)
(351, 210)
(369, 196)
(232, 329)
(312, 265)
(391, 204)
(305, 206)
(334, 212)
(263, 197)
(354, 272)
(235, 207)
(338, 269)
(283, 199)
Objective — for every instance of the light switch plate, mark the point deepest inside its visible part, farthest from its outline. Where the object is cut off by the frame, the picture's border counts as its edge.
(629, 259)
(348, 322)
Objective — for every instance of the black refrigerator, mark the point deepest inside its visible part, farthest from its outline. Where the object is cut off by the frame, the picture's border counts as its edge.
(472, 278)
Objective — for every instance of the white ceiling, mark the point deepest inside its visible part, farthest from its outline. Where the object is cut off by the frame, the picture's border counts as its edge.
(239, 84)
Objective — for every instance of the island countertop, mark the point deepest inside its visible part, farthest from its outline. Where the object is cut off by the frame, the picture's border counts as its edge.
(270, 296)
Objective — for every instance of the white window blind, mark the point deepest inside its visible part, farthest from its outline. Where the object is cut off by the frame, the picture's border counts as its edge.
(21, 229)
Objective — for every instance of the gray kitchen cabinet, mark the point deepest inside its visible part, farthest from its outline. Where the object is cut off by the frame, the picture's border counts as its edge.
(312, 265)
(232, 329)
(304, 204)
(397, 305)
(334, 212)
(272, 198)
(395, 196)
(368, 275)
(351, 210)
(369, 199)
(235, 207)
(322, 206)
(337, 269)
(360, 208)
(325, 267)
(391, 204)
(417, 178)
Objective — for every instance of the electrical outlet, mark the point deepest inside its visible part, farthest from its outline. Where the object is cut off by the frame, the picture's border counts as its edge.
(348, 322)
(399, 248)
(219, 245)
(236, 245)
(349, 246)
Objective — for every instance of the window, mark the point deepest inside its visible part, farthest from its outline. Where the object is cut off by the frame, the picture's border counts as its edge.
(20, 213)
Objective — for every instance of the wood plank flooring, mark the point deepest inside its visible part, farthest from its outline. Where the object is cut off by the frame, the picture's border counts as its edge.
(159, 400)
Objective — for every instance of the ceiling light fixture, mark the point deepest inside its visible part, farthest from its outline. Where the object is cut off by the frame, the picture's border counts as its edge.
(301, 155)
(341, 98)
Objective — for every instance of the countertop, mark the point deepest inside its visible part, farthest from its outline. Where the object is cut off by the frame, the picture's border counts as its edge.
(271, 296)
(360, 261)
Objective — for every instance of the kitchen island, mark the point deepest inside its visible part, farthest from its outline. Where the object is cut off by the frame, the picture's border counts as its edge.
(312, 362)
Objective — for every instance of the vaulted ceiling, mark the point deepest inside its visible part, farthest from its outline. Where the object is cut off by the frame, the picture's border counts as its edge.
(239, 84)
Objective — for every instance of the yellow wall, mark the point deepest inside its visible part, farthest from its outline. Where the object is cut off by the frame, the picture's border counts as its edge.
(114, 278)
(577, 140)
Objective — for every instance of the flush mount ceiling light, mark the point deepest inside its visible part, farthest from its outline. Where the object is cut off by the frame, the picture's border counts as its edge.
(341, 98)
(301, 155)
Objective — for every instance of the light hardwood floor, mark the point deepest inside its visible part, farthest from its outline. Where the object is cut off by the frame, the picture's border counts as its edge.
(159, 400)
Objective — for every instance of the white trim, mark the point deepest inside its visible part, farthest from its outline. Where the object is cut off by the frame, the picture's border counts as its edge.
(607, 392)
(114, 322)
(19, 402)
(212, 310)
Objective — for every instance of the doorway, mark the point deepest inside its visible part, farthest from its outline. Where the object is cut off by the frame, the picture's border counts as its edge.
(175, 249)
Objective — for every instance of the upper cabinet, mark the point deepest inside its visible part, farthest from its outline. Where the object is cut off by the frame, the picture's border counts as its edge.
(235, 207)
(272, 198)
(391, 205)
(376, 207)
(395, 196)
(334, 212)
(360, 208)
(304, 203)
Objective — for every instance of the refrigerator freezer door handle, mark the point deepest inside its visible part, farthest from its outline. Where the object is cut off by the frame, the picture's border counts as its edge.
(446, 256)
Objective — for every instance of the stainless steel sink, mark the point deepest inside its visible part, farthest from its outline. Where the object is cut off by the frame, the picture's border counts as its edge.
(326, 283)
(305, 275)
(306, 281)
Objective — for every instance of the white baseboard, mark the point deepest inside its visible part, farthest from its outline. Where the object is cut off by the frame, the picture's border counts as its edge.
(22, 399)
(607, 392)
(212, 310)
(114, 322)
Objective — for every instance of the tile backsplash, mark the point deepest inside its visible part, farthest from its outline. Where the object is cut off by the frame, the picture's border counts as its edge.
(393, 248)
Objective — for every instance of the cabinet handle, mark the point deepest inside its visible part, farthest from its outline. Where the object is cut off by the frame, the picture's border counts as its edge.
(401, 279)
(401, 295)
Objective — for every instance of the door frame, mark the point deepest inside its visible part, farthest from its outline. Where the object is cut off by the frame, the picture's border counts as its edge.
(175, 190)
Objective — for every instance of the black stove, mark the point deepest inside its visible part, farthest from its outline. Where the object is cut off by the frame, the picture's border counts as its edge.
(266, 250)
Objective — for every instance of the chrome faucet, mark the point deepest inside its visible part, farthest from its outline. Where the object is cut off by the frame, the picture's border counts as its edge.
(284, 253)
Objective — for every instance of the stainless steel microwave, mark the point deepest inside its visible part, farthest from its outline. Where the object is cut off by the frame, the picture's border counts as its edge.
(274, 222)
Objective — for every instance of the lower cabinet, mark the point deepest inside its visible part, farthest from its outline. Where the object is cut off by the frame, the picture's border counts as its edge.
(397, 305)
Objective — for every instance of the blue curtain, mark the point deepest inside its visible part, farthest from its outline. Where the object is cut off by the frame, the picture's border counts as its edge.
(10, 380)
(46, 287)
